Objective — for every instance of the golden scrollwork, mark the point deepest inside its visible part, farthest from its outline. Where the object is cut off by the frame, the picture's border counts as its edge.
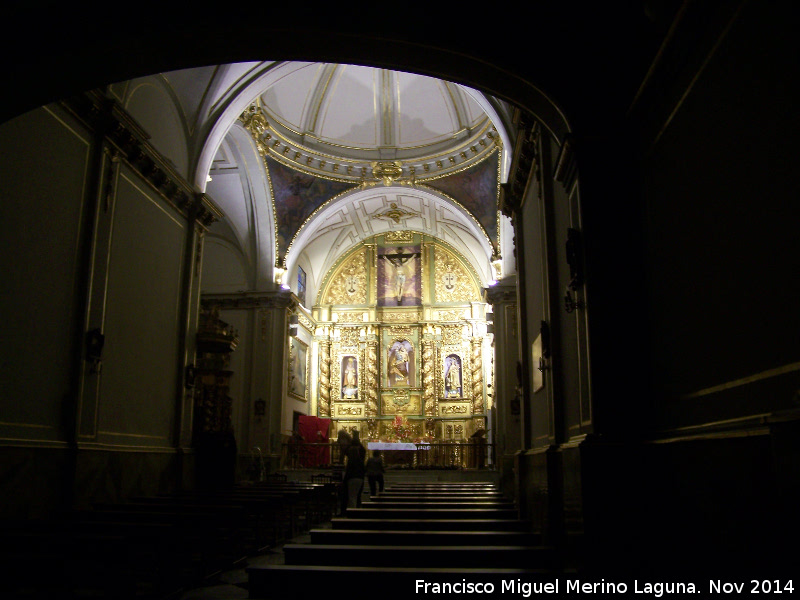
(372, 378)
(477, 375)
(453, 409)
(400, 236)
(349, 336)
(256, 123)
(490, 381)
(353, 410)
(400, 330)
(349, 285)
(350, 316)
(305, 321)
(450, 315)
(401, 317)
(387, 171)
(453, 283)
(325, 379)
(428, 365)
(395, 213)
(400, 401)
(452, 335)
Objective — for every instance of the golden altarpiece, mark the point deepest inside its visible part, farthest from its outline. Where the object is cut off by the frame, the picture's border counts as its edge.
(401, 342)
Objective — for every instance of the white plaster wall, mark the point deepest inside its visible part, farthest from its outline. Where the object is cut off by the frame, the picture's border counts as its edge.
(223, 267)
(139, 377)
(42, 193)
(155, 110)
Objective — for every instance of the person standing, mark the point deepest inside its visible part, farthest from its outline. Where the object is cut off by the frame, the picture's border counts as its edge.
(343, 440)
(354, 471)
(375, 471)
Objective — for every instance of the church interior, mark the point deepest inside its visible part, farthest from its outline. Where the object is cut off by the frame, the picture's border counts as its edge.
(566, 238)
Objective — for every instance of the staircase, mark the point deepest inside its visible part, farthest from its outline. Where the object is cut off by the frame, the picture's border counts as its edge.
(420, 528)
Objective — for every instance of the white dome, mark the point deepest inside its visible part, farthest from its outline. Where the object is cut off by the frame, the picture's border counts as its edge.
(349, 111)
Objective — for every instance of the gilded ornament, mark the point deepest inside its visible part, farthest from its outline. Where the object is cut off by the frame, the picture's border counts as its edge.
(349, 285)
(387, 171)
(400, 330)
(395, 213)
(325, 379)
(450, 315)
(401, 317)
(349, 336)
(352, 316)
(428, 378)
(372, 378)
(399, 236)
(453, 409)
(453, 284)
(477, 377)
(452, 334)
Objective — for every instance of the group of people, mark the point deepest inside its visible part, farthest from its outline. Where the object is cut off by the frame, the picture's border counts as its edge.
(357, 467)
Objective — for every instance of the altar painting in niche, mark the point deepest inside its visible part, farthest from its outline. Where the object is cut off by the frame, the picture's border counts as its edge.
(298, 355)
(399, 278)
(349, 377)
(400, 371)
(452, 376)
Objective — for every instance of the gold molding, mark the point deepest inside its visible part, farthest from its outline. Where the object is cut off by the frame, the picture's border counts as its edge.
(349, 410)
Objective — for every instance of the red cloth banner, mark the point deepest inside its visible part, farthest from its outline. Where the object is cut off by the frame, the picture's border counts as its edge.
(314, 430)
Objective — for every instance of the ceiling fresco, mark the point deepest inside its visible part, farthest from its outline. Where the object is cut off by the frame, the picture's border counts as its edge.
(296, 196)
(476, 189)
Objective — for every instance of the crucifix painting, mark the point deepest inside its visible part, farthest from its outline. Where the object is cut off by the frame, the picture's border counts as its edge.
(399, 276)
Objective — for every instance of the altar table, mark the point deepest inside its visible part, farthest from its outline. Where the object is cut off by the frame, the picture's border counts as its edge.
(391, 446)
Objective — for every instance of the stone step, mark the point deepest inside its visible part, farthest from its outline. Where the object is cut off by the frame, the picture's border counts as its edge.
(390, 581)
(431, 524)
(418, 555)
(416, 537)
(439, 504)
(432, 513)
(438, 494)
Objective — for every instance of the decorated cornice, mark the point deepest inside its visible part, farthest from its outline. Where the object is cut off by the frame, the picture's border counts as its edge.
(523, 164)
(280, 299)
(275, 141)
(128, 142)
(500, 295)
(566, 171)
(504, 291)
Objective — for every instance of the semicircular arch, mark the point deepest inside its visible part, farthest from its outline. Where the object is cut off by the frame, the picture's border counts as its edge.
(348, 220)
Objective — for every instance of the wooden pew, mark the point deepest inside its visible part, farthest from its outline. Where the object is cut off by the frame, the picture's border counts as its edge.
(72, 559)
